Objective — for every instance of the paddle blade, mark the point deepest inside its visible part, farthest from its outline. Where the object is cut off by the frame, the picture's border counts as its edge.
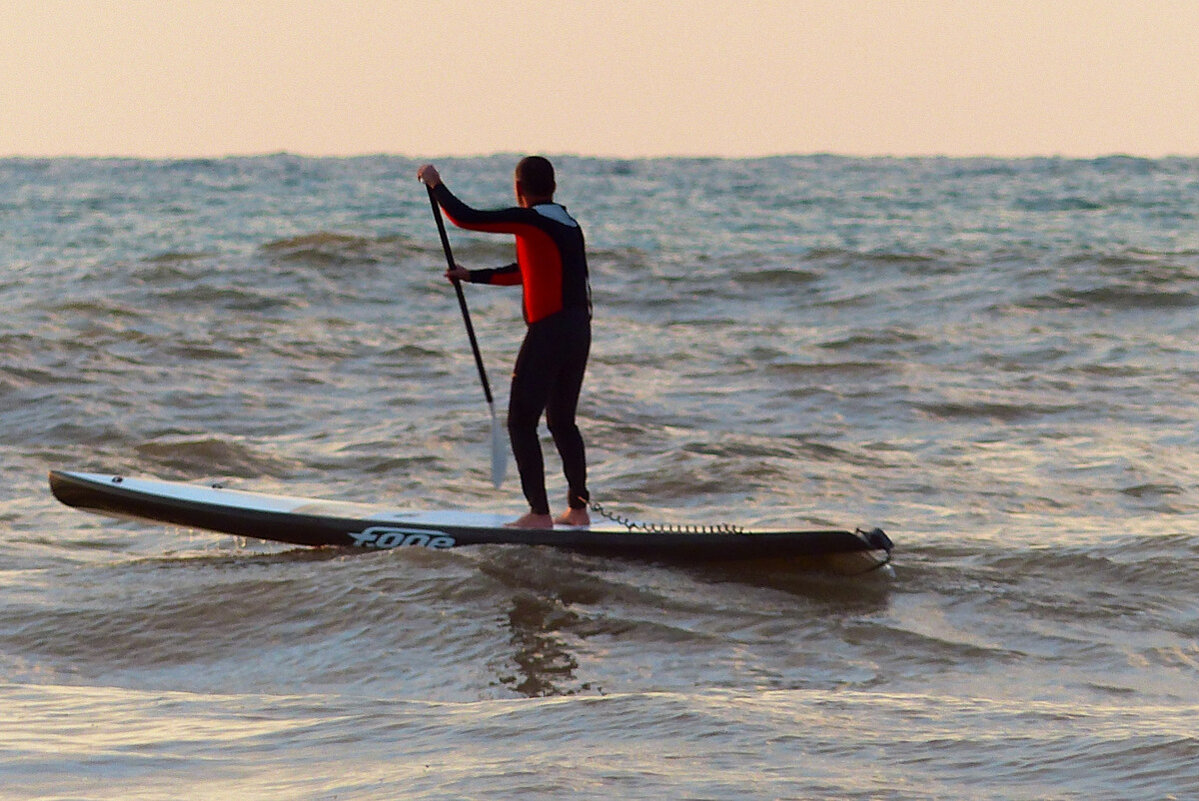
(499, 451)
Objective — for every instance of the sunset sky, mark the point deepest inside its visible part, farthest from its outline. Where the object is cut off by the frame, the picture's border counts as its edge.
(599, 77)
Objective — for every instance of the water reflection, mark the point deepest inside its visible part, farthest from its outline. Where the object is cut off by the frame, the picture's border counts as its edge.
(555, 601)
(544, 665)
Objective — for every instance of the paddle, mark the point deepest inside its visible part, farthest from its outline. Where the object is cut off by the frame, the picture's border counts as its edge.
(499, 446)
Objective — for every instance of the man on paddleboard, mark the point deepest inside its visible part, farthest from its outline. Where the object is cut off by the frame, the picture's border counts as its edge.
(551, 267)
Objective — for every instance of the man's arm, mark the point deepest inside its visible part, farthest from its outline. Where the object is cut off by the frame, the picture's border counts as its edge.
(464, 216)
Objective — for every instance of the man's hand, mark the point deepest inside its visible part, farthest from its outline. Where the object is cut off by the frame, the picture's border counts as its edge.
(429, 176)
(458, 274)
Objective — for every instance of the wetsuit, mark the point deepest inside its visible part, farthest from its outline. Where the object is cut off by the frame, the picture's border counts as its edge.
(551, 266)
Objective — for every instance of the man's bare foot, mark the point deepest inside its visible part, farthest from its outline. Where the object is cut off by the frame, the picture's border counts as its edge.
(574, 517)
(532, 520)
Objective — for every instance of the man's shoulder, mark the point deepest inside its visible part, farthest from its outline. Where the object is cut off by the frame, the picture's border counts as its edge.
(556, 212)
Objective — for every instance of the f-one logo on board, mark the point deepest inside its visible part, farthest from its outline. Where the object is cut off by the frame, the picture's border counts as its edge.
(386, 537)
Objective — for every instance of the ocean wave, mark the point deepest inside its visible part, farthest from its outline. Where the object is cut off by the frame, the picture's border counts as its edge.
(188, 457)
(1118, 297)
(991, 410)
(328, 249)
(171, 257)
(1064, 204)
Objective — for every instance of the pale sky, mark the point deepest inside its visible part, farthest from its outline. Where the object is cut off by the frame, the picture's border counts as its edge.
(599, 77)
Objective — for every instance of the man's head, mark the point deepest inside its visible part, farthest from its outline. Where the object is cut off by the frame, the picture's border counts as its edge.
(534, 181)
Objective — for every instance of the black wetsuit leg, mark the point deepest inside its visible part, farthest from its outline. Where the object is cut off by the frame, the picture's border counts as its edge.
(548, 378)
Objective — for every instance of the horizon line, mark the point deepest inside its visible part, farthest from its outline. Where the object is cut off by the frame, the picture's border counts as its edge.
(1064, 156)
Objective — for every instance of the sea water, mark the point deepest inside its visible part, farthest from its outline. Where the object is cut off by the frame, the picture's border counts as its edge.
(994, 360)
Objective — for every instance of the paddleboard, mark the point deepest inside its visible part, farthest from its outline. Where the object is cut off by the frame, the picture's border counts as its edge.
(318, 523)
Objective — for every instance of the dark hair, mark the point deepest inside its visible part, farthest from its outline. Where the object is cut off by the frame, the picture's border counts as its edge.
(536, 176)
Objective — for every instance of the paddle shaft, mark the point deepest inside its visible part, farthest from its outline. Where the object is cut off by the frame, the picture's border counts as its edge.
(470, 329)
